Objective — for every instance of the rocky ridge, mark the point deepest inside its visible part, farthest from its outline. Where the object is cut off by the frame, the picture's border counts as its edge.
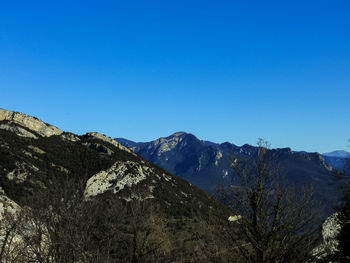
(13, 119)
(205, 163)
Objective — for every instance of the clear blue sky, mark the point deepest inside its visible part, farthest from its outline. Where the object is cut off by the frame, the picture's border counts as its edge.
(222, 70)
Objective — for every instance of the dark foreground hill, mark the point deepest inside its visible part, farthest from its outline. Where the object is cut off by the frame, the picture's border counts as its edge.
(206, 163)
(89, 199)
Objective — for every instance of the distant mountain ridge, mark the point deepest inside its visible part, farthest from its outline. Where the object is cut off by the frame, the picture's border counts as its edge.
(339, 154)
(205, 163)
(339, 160)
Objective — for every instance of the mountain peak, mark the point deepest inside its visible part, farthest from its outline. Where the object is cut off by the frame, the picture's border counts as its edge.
(178, 134)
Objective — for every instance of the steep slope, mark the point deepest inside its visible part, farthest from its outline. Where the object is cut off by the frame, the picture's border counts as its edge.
(205, 164)
(35, 155)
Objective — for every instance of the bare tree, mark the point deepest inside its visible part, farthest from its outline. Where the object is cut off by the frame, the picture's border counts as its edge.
(58, 224)
(275, 222)
(11, 247)
(145, 233)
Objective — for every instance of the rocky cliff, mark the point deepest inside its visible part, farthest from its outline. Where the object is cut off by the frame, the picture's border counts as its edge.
(20, 123)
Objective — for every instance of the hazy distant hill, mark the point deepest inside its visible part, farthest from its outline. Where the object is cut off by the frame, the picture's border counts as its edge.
(205, 163)
(339, 154)
(339, 160)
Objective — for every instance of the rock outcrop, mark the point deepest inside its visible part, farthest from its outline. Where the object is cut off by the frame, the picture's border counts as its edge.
(27, 122)
(330, 230)
(117, 177)
(18, 130)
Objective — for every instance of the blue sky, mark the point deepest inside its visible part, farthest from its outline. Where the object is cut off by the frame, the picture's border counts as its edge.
(222, 70)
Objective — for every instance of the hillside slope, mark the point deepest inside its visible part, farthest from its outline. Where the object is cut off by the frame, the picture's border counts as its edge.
(35, 156)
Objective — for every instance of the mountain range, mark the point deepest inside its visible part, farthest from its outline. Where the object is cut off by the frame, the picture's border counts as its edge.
(206, 163)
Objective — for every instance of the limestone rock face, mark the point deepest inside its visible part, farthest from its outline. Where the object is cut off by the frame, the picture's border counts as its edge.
(18, 130)
(28, 122)
(117, 177)
(163, 145)
(330, 230)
